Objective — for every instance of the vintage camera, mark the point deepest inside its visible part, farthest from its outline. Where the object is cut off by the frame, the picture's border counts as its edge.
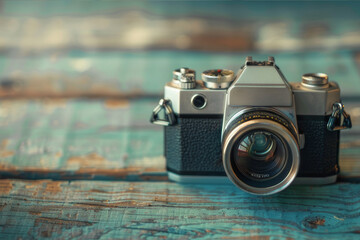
(256, 128)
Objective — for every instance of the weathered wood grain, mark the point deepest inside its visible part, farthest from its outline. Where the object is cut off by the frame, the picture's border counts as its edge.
(86, 139)
(143, 74)
(104, 139)
(33, 26)
(129, 49)
(164, 210)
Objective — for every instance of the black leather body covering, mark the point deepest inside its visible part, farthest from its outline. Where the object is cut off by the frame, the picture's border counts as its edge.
(193, 146)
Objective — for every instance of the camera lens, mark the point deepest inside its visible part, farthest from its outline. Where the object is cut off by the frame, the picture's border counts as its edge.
(260, 153)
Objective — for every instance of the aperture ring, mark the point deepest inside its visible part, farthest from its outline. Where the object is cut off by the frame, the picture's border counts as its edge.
(262, 115)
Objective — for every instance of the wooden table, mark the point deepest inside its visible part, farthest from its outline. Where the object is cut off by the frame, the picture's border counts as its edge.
(79, 158)
(91, 168)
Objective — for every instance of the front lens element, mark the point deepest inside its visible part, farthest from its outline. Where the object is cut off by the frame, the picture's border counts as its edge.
(259, 145)
(259, 155)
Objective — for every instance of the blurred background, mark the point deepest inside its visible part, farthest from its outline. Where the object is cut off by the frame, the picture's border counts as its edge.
(79, 79)
(129, 48)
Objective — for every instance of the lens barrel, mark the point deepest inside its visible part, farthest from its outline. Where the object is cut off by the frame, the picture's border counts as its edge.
(261, 153)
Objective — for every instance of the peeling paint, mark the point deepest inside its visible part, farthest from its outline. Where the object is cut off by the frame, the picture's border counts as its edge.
(340, 219)
(53, 187)
(35, 213)
(5, 154)
(5, 187)
(313, 222)
(3, 151)
(92, 160)
(116, 103)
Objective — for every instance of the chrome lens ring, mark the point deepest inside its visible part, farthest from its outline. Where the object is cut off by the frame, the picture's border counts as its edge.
(237, 132)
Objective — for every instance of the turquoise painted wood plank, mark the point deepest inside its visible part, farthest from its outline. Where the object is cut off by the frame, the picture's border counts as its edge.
(132, 74)
(164, 210)
(236, 10)
(80, 139)
(33, 26)
(104, 139)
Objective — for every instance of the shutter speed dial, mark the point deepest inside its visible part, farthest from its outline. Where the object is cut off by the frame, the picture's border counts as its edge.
(217, 78)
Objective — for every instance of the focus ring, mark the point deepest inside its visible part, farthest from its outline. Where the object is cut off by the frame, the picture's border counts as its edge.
(264, 115)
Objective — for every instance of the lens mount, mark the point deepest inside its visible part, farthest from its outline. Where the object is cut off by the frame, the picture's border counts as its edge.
(286, 172)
